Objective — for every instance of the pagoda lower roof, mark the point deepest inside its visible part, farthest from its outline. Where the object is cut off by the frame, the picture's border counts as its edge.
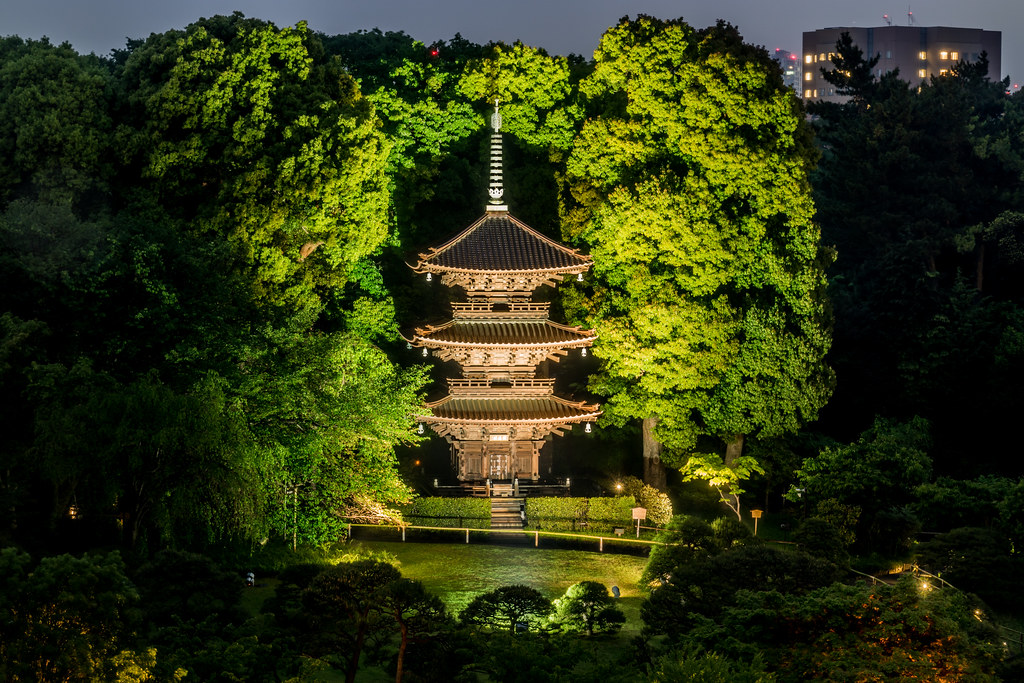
(504, 409)
(498, 242)
(504, 333)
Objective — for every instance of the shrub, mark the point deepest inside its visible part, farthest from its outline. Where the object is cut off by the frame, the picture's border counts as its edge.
(576, 514)
(605, 513)
(817, 537)
(556, 514)
(474, 513)
(659, 507)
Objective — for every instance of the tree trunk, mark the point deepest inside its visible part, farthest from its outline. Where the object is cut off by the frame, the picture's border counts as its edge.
(980, 281)
(401, 650)
(353, 662)
(654, 471)
(733, 450)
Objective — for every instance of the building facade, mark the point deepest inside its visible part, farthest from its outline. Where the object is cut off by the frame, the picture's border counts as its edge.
(919, 52)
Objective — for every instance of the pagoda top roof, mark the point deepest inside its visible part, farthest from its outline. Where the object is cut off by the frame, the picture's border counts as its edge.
(499, 242)
(504, 333)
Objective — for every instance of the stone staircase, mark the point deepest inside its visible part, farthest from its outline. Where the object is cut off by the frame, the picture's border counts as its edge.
(505, 513)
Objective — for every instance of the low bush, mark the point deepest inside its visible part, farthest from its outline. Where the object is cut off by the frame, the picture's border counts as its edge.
(579, 514)
(556, 514)
(604, 514)
(657, 503)
(474, 513)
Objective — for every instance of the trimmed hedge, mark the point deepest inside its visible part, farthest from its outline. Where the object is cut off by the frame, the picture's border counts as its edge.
(607, 513)
(556, 514)
(579, 514)
(473, 513)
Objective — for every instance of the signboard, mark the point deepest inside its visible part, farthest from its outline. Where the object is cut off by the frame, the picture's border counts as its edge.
(639, 513)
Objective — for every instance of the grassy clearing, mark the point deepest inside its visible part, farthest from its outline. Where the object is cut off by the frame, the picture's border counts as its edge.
(458, 572)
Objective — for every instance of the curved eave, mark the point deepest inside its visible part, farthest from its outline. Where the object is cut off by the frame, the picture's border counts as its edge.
(587, 417)
(422, 337)
(426, 267)
(590, 410)
(438, 344)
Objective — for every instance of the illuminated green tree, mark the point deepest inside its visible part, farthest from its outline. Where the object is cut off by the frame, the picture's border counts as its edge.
(688, 186)
(258, 141)
(588, 606)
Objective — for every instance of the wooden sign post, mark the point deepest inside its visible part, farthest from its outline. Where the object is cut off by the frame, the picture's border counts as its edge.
(756, 514)
(639, 514)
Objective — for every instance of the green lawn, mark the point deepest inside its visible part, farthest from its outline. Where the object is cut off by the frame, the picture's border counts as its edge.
(456, 572)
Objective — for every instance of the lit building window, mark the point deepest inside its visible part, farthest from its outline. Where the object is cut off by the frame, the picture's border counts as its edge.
(943, 72)
(943, 55)
(808, 76)
(888, 54)
(921, 73)
(815, 92)
(822, 57)
(954, 56)
(808, 59)
(922, 56)
(807, 93)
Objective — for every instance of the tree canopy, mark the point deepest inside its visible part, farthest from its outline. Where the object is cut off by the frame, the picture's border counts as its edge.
(688, 185)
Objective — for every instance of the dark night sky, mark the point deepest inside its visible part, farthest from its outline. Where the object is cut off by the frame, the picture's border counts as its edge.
(560, 26)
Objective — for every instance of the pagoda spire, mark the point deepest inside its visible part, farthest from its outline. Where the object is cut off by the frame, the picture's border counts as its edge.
(496, 188)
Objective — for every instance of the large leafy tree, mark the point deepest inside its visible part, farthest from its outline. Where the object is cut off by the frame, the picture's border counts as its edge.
(203, 312)
(688, 185)
(258, 140)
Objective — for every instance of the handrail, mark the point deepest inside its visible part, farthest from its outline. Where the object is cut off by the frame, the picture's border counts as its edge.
(536, 533)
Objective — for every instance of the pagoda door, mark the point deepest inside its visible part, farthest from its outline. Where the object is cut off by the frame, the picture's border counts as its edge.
(499, 459)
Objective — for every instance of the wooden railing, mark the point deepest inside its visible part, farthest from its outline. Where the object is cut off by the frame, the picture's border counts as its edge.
(536, 533)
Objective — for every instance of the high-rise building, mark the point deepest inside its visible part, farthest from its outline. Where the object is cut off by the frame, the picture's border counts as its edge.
(919, 52)
(790, 64)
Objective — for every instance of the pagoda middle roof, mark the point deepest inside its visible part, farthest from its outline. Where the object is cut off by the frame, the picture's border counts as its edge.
(505, 333)
(498, 242)
(509, 410)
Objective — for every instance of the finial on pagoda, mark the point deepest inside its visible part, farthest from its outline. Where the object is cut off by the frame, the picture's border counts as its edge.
(496, 190)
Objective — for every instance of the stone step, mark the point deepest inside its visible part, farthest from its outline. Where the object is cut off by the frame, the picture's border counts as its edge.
(506, 513)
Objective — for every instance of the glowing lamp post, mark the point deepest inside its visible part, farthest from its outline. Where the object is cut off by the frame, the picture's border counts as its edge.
(756, 514)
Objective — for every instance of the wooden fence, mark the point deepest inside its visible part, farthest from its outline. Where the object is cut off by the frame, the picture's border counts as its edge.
(536, 533)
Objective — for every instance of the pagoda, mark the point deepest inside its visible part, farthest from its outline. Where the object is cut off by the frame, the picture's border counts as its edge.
(498, 415)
